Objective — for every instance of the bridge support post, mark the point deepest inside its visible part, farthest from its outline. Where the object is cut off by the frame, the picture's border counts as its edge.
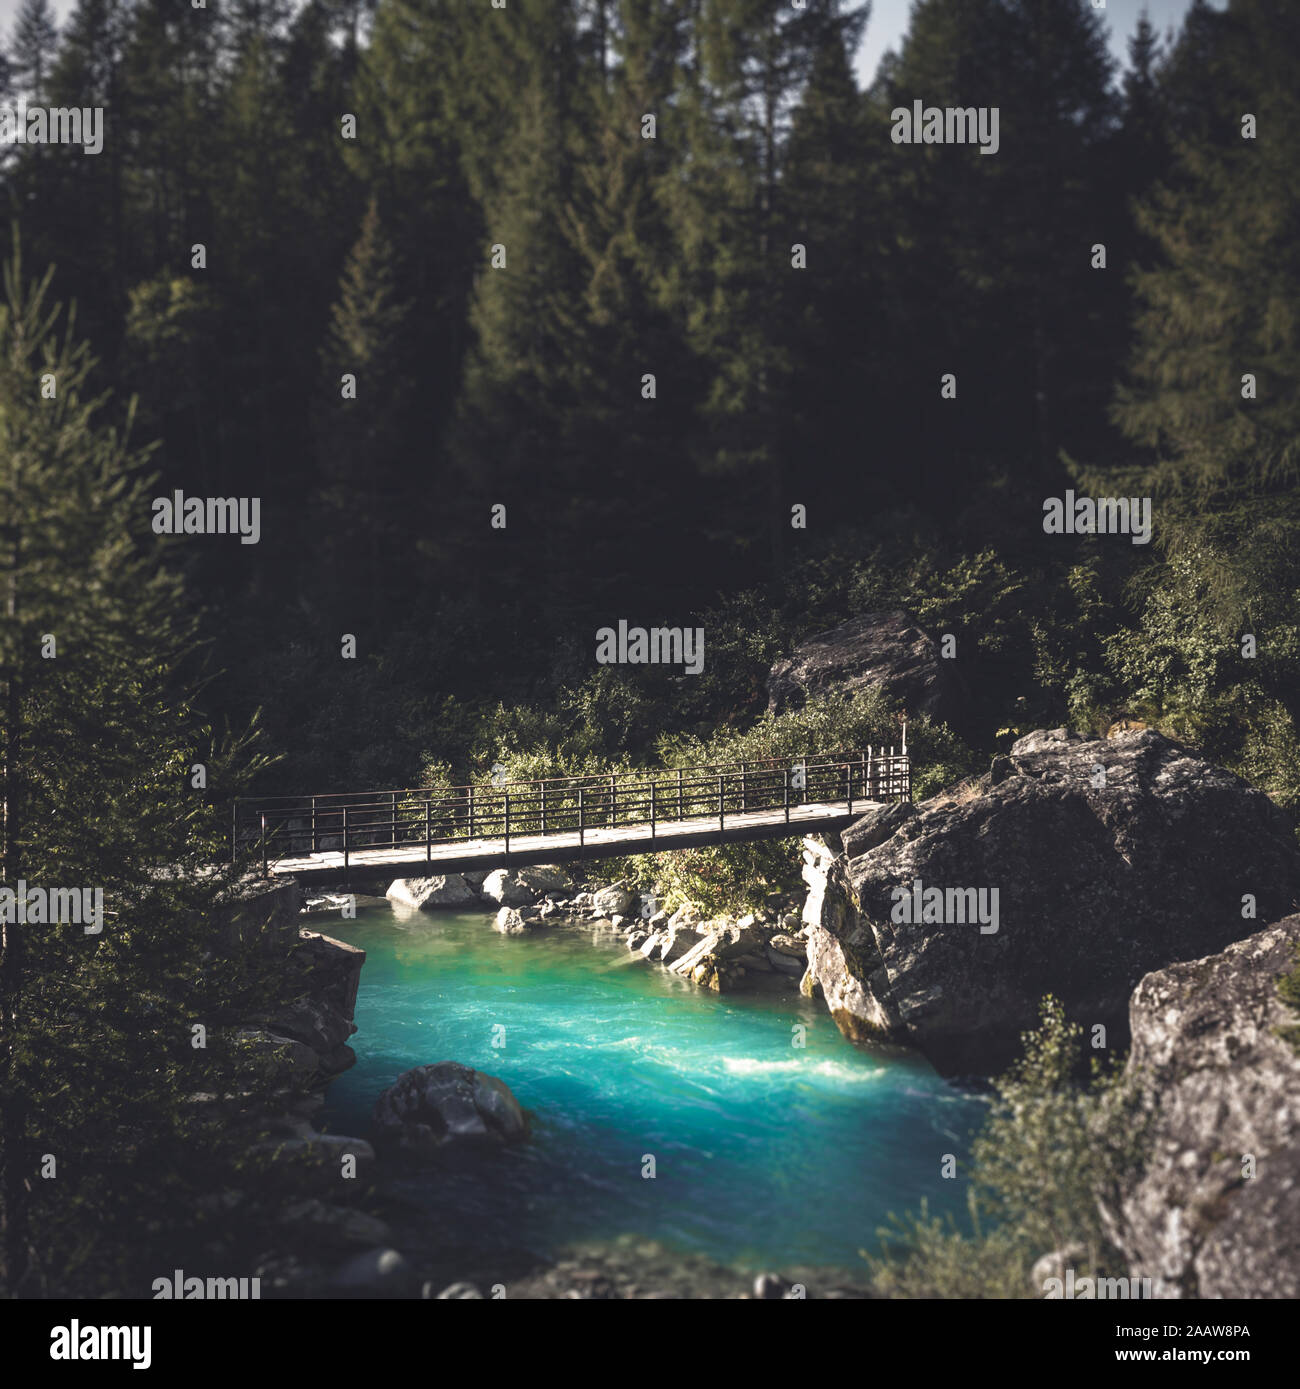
(313, 825)
(471, 812)
(345, 841)
(543, 807)
(786, 796)
(720, 820)
(582, 821)
(679, 793)
(613, 804)
(264, 872)
(652, 809)
(507, 803)
(744, 789)
(428, 830)
(849, 771)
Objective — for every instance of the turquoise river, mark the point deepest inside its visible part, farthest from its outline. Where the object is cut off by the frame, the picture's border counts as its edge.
(766, 1153)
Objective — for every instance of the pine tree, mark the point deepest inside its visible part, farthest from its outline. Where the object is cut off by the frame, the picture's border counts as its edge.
(518, 387)
(74, 205)
(1140, 158)
(370, 505)
(1144, 123)
(32, 48)
(749, 62)
(999, 246)
(619, 441)
(1224, 299)
(1218, 306)
(834, 201)
(99, 739)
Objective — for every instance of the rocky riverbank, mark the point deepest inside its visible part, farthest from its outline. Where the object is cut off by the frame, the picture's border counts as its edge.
(764, 950)
(298, 1195)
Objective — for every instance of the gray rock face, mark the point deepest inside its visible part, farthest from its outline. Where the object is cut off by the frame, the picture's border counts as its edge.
(308, 1020)
(330, 969)
(786, 964)
(653, 945)
(327, 972)
(441, 890)
(677, 941)
(519, 887)
(1110, 858)
(511, 923)
(429, 1107)
(885, 650)
(714, 961)
(615, 900)
(1223, 1085)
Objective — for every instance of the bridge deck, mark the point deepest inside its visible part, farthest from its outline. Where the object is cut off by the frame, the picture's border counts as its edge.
(466, 855)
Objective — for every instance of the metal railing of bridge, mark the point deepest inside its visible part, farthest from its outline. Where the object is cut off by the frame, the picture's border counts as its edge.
(415, 817)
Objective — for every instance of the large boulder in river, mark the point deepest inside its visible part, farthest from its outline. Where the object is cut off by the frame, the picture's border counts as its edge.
(1108, 859)
(426, 894)
(677, 941)
(715, 961)
(510, 921)
(519, 887)
(1216, 1049)
(880, 650)
(430, 1108)
(613, 900)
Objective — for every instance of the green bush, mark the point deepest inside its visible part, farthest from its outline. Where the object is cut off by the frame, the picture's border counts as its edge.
(1052, 1149)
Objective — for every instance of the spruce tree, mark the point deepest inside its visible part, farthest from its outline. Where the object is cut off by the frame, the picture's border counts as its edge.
(32, 48)
(999, 246)
(105, 1146)
(750, 60)
(1221, 302)
(1209, 403)
(372, 499)
(834, 202)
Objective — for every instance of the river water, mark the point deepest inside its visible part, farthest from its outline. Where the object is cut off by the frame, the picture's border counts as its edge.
(766, 1154)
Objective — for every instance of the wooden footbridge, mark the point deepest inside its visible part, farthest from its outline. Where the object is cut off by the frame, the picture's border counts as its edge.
(458, 829)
